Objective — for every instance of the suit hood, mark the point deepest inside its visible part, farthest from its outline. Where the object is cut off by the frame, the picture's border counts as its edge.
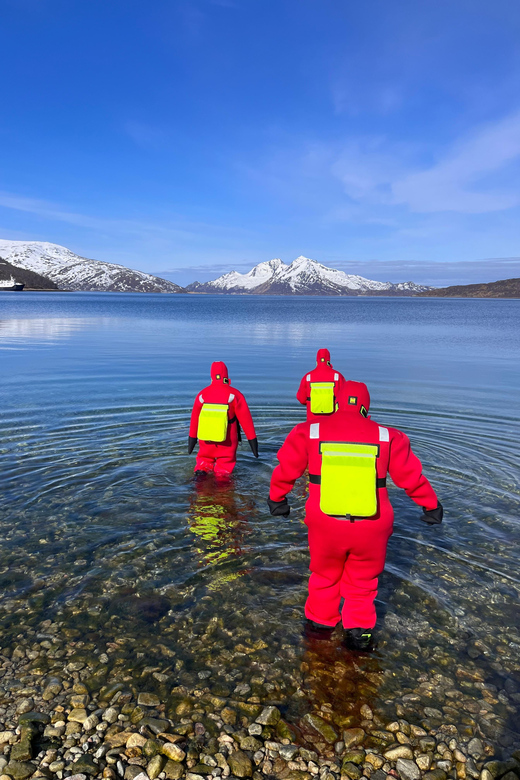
(354, 397)
(219, 372)
(323, 358)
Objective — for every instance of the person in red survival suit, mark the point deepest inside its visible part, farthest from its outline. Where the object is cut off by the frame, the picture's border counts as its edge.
(321, 387)
(217, 412)
(348, 456)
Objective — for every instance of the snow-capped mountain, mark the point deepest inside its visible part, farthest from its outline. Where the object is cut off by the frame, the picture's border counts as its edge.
(72, 272)
(301, 277)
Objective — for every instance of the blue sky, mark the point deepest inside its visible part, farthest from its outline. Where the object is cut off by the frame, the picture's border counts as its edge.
(190, 137)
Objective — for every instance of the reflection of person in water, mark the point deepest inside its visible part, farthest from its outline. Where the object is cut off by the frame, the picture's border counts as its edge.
(220, 525)
(331, 679)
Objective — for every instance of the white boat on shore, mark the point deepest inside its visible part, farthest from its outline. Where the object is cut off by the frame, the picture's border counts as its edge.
(10, 284)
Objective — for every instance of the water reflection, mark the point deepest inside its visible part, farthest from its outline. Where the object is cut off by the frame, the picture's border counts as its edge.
(220, 524)
(41, 329)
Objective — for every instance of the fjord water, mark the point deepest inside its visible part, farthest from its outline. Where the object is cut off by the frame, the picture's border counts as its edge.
(106, 534)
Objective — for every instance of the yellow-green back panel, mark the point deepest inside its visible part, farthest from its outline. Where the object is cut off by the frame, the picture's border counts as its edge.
(348, 479)
(322, 397)
(213, 422)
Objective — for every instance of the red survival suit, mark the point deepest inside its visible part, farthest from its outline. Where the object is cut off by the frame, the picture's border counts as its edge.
(221, 456)
(323, 372)
(347, 557)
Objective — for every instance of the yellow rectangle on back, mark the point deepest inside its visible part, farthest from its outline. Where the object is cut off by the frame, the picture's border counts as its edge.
(348, 479)
(213, 422)
(322, 397)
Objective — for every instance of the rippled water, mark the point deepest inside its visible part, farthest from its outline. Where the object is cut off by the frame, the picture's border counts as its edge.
(105, 531)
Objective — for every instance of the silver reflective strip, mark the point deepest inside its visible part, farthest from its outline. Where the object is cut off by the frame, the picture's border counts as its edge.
(201, 399)
(308, 377)
(328, 453)
(383, 434)
(231, 398)
(314, 431)
(336, 377)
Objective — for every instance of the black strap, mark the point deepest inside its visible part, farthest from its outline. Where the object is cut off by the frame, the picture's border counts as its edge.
(315, 479)
(232, 420)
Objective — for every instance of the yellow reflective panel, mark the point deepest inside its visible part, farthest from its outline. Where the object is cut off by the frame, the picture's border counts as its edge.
(322, 397)
(213, 422)
(348, 479)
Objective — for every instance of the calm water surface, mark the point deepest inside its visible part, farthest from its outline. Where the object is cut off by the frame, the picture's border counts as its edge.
(105, 532)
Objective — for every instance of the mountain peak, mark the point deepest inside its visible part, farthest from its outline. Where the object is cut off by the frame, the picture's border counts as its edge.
(303, 276)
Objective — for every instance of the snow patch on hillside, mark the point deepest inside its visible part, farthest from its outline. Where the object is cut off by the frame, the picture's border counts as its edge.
(72, 272)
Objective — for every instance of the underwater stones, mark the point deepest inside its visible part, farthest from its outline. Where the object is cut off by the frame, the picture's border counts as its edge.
(423, 761)
(110, 715)
(375, 760)
(148, 699)
(117, 740)
(354, 756)
(34, 717)
(19, 770)
(321, 727)
(78, 715)
(157, 725)
(22, 751)
(155, 766)
(24, 705)
(240, 764)
(90, 723)
(408, 770)
(353, 737)
(401, 751)
(250, 743)
(173, 752)
(269, 716)
(131, 771)
(476, 748)
(86, 765)
(228, 715)
(173, 770)
(351, 770)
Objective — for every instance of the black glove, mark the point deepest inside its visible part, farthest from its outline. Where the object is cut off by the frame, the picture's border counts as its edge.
(433, 516)
(279, 508)
(192, 440)
(253, 443)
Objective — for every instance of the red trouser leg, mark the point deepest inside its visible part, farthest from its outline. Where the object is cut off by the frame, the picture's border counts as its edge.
(346, 560)
(226, 453)
(365, 562)
(327, 562)
(205, 456)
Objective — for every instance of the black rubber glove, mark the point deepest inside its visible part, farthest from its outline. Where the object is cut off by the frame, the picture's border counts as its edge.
(191, 444)
(433, 516)
(279, 508)
(253, 443)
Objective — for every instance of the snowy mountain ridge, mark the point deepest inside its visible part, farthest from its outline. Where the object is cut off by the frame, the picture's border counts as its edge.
(301, 277)
(72, 272)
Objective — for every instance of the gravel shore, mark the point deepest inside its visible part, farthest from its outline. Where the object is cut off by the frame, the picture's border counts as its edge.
(72, 709)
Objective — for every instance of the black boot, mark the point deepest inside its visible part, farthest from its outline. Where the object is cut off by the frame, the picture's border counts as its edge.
(359, 639)
(313, 630)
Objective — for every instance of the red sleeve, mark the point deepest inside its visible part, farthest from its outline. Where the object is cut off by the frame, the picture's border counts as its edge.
(339, 384)
(406, 471)
(194, 422)
(244, 416)
(293, 458)
(302, 393)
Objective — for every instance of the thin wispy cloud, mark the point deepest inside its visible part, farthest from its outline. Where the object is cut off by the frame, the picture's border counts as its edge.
(462, 180)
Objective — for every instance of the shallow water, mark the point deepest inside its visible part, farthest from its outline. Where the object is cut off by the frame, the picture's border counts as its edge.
(105, 531)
